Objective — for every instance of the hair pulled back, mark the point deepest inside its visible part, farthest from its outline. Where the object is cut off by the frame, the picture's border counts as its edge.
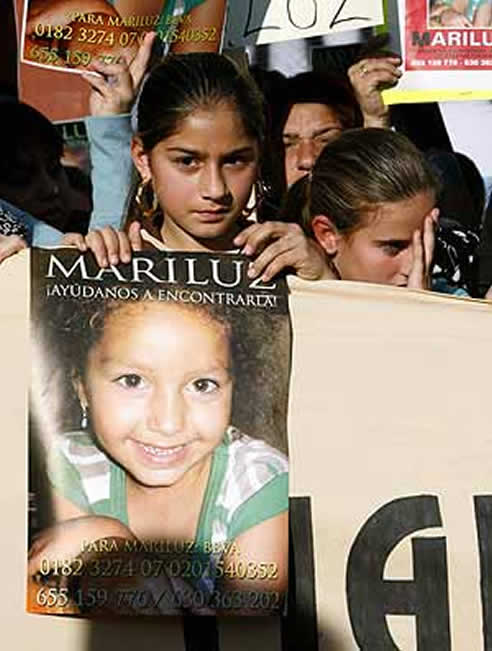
(183, 83)
(355, 173)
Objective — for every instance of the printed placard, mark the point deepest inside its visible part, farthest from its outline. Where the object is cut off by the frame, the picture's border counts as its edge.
(58, 36)
(448, 35)
(66, 36)
(441, 61)
(158, 469)
(269, 21)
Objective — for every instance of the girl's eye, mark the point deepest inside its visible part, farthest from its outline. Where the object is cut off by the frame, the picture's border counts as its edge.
(205, 385)
(393, 249)
(187, 161)
(131, 381)
(236, 161)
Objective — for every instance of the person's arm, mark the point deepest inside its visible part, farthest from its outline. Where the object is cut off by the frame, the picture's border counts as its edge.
(113, 92)
(38, 233)
(111, 168)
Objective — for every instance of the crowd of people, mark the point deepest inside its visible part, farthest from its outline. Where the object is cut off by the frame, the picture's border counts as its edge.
(305, 176)
(252, 158)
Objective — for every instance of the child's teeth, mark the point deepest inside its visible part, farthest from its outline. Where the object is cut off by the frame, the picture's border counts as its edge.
(161, 452)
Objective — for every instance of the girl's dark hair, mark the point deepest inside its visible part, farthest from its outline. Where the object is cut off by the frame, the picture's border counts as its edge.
(183, 83)
(331, 90)
(24, 130)
(356, 172)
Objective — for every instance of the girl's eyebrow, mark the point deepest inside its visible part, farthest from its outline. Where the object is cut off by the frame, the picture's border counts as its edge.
(393, 242)
(195, 152)
(140, 365)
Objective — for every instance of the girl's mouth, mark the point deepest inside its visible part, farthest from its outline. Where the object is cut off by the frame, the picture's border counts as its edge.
(155, 454)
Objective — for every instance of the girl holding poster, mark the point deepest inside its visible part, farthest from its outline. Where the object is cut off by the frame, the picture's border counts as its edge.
(198, 148)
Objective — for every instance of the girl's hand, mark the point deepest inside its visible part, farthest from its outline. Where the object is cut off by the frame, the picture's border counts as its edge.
(116, 86)
(10, 244)
(276, 246)
(423, 252)
(63, 541)
(368, 78)
(109, 246)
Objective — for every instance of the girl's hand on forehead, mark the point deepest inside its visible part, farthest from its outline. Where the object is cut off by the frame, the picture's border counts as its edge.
(276, 246)
(109, 246)
(116, 85)
(10, 244)
(423, 252)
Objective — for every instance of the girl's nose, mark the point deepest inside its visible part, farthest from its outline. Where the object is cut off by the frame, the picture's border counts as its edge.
(406, 262)
(213, 185)
(166, 412)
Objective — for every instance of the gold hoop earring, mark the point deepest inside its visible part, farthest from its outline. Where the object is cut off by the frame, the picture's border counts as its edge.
(262, 190)
(146, 198)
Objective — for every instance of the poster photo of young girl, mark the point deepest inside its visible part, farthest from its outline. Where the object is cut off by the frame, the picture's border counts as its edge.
(158, 468)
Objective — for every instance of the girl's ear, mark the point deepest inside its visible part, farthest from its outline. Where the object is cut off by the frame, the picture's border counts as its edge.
(326, 234)
(141, 159)
(78, 387)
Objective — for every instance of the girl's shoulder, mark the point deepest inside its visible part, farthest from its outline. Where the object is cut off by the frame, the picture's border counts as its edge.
(251, 463)
(78, 447)
(245, 450)
(253, 484)
(76, 466)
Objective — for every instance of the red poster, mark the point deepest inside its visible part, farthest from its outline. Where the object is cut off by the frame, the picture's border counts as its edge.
(448, 35)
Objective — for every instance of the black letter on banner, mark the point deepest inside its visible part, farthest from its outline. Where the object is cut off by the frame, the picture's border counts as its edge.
(483, 517)
(371, 598)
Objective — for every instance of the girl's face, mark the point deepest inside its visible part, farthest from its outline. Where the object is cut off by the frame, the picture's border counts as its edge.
(158, 388)
(203, 175)
(380, 251)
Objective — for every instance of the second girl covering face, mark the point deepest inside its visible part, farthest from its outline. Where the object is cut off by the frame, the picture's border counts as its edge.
(370, 203)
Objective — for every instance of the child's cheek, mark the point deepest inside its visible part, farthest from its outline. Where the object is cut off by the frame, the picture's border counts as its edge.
(213, 418)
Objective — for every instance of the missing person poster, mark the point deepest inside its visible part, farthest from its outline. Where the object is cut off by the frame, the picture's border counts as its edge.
(448, 35)
(158, 476)
(66, 36)
(60, 36)
(445, 47)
